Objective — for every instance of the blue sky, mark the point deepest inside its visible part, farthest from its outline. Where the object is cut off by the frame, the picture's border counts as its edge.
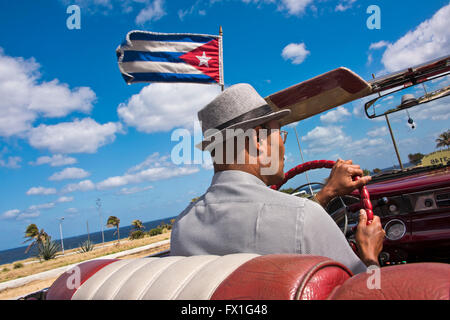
(72, 131)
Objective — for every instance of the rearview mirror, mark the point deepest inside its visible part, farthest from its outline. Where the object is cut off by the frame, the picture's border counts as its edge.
(408, 88)
(393, 102)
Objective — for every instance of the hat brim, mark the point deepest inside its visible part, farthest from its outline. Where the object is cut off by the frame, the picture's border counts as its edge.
(207, 144)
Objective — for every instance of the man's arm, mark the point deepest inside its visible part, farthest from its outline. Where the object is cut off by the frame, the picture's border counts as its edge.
(369, 238)
(340, 181)
(321, 236)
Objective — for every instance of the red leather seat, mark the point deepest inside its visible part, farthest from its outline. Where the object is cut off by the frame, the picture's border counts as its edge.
(416, 281)
(244, 277)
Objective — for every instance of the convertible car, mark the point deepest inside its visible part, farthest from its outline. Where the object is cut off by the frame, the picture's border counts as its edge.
(414, 206)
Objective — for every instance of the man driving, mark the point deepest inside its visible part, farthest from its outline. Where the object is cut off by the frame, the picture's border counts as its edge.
(240, 213)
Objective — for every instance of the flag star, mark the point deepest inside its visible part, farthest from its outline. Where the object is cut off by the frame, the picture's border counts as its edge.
(203, 60)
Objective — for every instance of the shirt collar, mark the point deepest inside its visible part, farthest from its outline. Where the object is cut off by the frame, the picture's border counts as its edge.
(229, 176)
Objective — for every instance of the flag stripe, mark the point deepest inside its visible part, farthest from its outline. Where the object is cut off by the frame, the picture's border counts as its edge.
(152, 56)
(171, 77)
(133, 36)
(163, 67)
(160, 46)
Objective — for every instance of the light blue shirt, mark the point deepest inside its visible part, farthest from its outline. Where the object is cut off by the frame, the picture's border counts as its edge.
(239, 213)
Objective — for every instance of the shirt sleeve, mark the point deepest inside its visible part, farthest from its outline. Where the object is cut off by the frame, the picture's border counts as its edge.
(322, 236)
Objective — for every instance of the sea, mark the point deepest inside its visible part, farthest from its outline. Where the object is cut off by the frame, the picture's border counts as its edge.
(15, 254)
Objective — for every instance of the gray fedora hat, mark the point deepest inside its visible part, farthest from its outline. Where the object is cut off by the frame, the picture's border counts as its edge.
(238, 107)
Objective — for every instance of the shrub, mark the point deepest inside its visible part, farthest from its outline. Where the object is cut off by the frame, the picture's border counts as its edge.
(47, 249)
(5, 269)
(86, 246)
(137, 234)
(155, 231)
(18, 265)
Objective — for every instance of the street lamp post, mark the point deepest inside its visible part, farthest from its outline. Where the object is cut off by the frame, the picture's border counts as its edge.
(99, 205)
(60, 233)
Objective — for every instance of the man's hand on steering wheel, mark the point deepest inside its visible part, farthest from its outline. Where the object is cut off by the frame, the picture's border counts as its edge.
(369, 239)
(340, 182)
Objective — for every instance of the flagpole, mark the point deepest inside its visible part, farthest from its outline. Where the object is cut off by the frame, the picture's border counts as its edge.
(221, 55)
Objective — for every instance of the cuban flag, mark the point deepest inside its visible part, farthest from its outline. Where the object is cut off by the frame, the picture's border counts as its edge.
(171, 57)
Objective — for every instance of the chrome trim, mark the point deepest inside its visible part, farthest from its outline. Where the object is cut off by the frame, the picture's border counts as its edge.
(386, 227)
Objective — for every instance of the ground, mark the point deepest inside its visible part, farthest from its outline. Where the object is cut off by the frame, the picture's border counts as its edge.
(33, 268)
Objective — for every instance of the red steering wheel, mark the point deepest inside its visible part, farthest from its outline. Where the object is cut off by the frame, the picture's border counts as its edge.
(364, 196)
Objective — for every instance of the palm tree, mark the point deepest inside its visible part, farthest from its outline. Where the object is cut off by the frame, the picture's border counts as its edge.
(137, 224)
(443, 140)
(36, 237)
(113, 221)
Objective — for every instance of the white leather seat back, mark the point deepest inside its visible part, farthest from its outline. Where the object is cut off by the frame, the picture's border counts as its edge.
(194, 277)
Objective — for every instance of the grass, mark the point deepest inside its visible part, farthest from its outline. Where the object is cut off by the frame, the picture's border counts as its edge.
(10, 273)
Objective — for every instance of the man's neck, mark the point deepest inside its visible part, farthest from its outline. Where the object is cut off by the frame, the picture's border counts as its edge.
(251, 169)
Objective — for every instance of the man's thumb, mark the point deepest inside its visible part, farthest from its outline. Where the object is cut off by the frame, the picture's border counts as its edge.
(362, 217)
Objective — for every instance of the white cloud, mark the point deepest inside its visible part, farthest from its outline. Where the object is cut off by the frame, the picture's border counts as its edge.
(79, 136)
(55, 160)
(369, 59)
(151, 174)
(16, 214)
(324, 139)
(294, 7)
(149, 10)
(336, 115)
(24, 99)
(69, 173)
(378, 45)
(344, 5)
(40, 191)
(332, 138)
(191, 10)
(85, 185)
(71, 210)
(11, 162)
(365, 147)
(10, 214)
(53, 99)
(163, 106)
(126, 191)
(153, 160)
(35, 207)
(296, 52)
(431, 39)
(27, 215)
(378, 132)
(153, 168)
(152, 12)
(64, 199)
(91, 5)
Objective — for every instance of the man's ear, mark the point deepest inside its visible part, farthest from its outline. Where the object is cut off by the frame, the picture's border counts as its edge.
(262, 139)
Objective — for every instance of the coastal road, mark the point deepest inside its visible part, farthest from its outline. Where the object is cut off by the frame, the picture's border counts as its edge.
(17, 288)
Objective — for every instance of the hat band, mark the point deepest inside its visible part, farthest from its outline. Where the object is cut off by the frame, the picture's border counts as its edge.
(255, 113)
